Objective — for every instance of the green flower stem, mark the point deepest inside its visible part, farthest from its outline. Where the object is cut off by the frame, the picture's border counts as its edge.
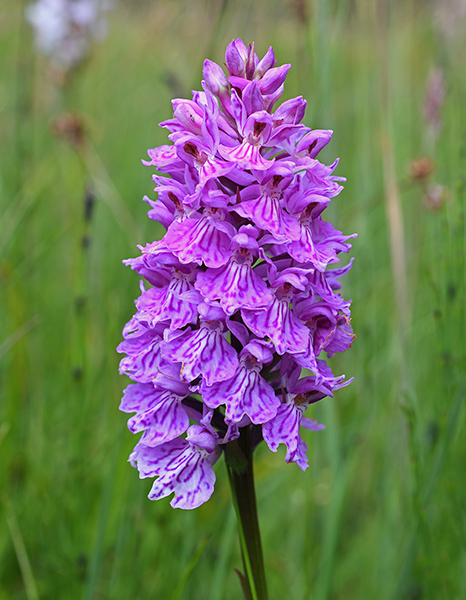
(241, 475)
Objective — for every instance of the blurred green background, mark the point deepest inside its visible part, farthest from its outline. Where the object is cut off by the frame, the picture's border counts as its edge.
(380, 512)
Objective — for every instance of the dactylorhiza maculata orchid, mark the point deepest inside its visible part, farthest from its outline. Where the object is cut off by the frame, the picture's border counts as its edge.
(64, 28)
(239, 303)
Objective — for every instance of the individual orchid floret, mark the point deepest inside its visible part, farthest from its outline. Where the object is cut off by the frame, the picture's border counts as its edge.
(238, 303)
(182, 466)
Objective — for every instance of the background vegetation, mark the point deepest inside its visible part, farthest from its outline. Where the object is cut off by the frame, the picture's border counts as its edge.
(380, 512)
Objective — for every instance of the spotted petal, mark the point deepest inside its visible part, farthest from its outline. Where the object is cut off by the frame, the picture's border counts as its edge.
(199, 240)
(159, 413)
(204, 352)
(278, 322)
(266, 213)
(235, 285)
(181, 467)
(284, 429)
(247, 393)
(168, 304)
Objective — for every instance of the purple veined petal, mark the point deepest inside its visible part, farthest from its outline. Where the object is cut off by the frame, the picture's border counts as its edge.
(204, 352)
(166, 422)
(137, 397)
(162, 157)
(173, 125)
(246, 238)
(189, 475)
(247, 393)
(198, 240)
(246, 156)
(235, 285)
(289, 371)
(265, 212)
(310, 389)
(155, 461)
(156, 257)
(278, 322)
(143, 355)
(193, 486)
(158, 412)
(169, 304)
(172, 193)
(134, 331)
(304, 250)
(312, 312)
(276, 180)
(181, 467)
(284, 429)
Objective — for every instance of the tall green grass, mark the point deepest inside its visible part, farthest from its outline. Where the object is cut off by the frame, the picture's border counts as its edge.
(380, 512)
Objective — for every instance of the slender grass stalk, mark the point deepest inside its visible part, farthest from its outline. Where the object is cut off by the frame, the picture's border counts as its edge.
(189, 568)
(241, 478)
(20, 550)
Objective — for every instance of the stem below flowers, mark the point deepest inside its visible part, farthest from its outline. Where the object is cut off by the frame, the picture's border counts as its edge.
(240, 472)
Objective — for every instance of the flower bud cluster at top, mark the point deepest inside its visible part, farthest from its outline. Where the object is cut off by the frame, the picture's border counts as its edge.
(63, 28)
(239, 299)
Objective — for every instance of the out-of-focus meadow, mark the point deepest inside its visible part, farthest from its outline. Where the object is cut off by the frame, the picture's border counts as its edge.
(380, 512)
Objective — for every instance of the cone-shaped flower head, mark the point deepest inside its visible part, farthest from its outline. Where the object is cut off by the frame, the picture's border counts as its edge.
(239, 296)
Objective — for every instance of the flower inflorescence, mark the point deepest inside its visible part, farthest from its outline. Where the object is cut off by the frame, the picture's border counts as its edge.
(240, 300)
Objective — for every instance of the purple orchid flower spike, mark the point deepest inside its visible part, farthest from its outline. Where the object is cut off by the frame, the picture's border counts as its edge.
(239, 309)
